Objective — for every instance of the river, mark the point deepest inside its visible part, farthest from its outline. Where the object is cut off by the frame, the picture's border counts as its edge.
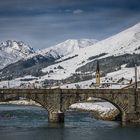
(18, 122)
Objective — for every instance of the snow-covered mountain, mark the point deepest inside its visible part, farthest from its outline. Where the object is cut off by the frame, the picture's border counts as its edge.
(12, 51)
(126, 42)
(34, 62)
(71, 46)
(71, 60)
(65, 49)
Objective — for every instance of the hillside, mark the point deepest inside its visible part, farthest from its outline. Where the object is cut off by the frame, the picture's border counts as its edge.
(33, 63)
(123, 48)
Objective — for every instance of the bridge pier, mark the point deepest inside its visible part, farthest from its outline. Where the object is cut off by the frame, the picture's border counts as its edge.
(131, 117)
(55, 117)
(124, 117)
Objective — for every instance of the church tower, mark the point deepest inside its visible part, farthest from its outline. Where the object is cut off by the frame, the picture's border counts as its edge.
(97, 74)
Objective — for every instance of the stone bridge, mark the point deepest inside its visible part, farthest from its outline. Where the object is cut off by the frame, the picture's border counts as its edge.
(57, 101)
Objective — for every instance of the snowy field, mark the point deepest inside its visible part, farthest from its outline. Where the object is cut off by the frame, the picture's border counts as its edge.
(128, 73)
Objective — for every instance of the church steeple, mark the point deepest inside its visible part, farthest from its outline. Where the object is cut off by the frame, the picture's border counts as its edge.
(98, 74)
(97, 68)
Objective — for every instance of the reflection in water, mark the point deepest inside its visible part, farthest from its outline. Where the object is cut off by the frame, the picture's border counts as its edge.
(30, 123)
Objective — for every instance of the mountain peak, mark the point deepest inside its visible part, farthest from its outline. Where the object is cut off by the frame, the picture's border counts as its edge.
(12, 46)
(12, 51)
(80, 43)
(70, 46)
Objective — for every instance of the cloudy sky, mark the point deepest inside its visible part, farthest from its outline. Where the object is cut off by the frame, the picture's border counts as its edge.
(42, 23)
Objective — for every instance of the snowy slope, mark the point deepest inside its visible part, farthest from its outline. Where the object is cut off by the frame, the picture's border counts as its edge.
(127, 41)
(124, 42)
(12, 51)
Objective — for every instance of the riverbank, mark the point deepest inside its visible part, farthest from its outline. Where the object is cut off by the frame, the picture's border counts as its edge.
(100, 109)
(22, 102)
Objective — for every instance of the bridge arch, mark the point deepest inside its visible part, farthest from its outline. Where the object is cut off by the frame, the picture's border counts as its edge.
(119, 99)
(14, 97)
(121, 111)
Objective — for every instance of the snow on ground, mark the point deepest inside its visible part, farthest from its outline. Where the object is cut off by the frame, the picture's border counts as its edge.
(111, 78)
(15, 83)
(103, 107)
(128, 73)
(22, 102)
(102, 110)
(57, 74)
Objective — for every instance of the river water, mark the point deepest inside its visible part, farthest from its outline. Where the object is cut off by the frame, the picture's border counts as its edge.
(19, 122)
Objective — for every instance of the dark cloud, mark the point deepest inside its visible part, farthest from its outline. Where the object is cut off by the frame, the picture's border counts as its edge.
(42, 23)
(34, 7)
